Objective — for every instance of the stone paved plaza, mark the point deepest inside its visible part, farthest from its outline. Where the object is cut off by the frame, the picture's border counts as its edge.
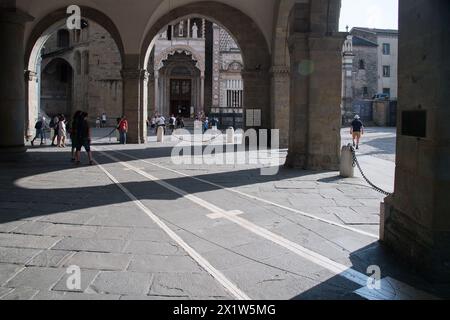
(140, 227)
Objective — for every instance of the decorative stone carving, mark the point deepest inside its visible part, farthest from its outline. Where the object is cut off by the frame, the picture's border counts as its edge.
(280, 72)
(195, 31)
(348, 45)
(181, 29)
(159, 61)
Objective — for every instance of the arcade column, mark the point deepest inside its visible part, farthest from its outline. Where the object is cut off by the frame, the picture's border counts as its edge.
(315, 112)
(12, 80)
(134, 79)
(416, 218)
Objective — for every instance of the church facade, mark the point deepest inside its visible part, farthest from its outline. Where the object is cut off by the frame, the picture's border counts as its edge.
(197, 69)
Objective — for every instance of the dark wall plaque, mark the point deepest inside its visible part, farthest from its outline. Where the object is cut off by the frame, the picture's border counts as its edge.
(414, 124)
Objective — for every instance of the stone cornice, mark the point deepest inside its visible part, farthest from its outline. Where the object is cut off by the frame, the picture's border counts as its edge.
(280, 71)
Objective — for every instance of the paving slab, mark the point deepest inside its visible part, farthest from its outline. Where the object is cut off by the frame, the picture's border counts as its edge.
(17, 255)
(93, 245)
(160, 264)
(100, 261)
(37, 278)
(87, 276)
(72, 296)
(20, 294)
(7, 271)
(196, 285)
(153, 248)
(50, 258)
(110, 282)
(27, 241)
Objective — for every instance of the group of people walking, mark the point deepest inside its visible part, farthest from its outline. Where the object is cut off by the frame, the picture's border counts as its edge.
(79, 129)
(59, 126)
(172, 123)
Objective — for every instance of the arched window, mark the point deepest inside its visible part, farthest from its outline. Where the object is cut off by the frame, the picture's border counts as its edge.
(362, 64)
(63, 38)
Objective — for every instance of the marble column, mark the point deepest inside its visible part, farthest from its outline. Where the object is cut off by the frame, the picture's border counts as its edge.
(133, 98)
(416, 218)
(12, 81)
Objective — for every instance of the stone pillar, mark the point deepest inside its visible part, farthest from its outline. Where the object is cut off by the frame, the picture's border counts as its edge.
(202, 91)
(157, 99)
(257, 94)
(325, 88)
(31, 92)
(416, 219)
(151, 95)
(133, 97)
(12, 82)
(315, 101)
(347, 82)
(188, 28)
(144, 104)
(280, 102)
(299, 97)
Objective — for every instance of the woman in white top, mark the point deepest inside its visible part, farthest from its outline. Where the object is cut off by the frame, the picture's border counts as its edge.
(62, 133)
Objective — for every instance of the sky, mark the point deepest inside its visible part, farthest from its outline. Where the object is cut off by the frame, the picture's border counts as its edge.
(382, 14)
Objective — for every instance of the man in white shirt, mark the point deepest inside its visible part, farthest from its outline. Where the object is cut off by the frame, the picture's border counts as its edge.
(103, 120)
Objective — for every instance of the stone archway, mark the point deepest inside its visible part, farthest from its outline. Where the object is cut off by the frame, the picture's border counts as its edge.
(56, 87)
(35, 42)
(253, 45)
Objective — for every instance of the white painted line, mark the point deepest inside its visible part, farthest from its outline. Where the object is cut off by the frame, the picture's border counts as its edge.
(216, 274)
(311, 216)
(385, 293)
(215, 216)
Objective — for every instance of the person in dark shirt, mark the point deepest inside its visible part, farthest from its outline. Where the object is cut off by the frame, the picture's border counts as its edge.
(83, 138)
(74, 134)
(357, 130)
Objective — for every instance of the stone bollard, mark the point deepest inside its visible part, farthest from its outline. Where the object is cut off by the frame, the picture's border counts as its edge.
(347, 169)
(160, 135)
(230, 135)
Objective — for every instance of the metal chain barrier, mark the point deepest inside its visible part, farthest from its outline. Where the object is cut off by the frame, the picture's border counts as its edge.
(107, 136)
(356, 164)
(203, 141)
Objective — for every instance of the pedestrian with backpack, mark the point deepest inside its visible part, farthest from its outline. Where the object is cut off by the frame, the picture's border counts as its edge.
(40, 131)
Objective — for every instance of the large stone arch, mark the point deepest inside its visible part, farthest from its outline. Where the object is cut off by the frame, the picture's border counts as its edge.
(57, 18)
(249, 37)
(52, 85)
(35, 42)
